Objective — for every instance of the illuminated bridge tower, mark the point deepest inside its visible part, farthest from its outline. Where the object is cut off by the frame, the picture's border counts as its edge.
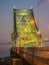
(25, 29)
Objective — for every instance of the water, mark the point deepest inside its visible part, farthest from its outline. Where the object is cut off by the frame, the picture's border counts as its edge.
(4, 50)
(46, 43)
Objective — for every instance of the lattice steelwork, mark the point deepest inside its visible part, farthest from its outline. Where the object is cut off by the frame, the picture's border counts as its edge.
(25, 29)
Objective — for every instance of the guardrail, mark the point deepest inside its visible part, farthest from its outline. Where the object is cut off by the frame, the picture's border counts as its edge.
(33, 55)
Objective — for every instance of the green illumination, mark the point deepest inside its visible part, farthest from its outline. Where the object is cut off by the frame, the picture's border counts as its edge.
(26, 29)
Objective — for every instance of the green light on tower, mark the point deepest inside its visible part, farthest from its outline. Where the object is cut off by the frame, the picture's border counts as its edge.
(25, 29)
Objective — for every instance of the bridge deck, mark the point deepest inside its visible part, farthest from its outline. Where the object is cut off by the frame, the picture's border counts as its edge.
(34, 55)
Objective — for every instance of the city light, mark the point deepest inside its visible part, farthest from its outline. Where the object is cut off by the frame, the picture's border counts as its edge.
(46, 38)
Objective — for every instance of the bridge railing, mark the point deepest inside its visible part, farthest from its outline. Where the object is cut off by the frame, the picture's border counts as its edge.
(33, 55)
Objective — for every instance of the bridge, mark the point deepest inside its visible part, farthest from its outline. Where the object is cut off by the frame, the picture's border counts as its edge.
(27, 47)
(32, 56)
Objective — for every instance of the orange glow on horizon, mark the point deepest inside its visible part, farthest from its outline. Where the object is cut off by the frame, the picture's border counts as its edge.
(45, 38)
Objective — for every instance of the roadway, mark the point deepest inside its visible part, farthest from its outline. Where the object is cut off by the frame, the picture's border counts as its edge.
(33, 55)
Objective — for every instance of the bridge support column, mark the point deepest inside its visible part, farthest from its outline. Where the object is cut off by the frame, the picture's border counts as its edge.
(15, 61)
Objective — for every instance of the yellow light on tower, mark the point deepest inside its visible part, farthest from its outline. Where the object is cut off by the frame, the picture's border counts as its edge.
(25, 29)
(38, 32)
(31, 22)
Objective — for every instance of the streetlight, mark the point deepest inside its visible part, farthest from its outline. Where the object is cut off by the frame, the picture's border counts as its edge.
(39, 33)
(39, 2)
(38, 13)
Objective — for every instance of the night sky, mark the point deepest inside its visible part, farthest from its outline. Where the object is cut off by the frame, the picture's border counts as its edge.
(6, 17)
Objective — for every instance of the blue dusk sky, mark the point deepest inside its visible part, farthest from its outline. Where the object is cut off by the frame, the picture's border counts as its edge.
(6, 20)
(6, 16)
